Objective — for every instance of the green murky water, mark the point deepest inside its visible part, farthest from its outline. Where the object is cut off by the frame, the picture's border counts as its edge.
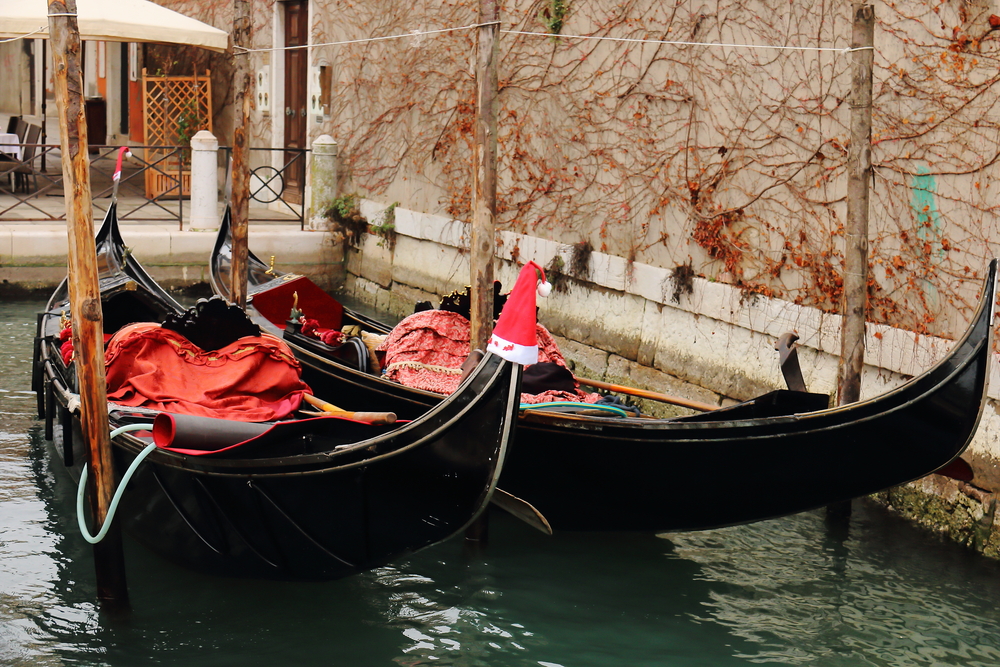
(783, 592)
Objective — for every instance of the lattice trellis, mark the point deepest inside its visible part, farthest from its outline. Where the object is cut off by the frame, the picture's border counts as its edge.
(174, 108)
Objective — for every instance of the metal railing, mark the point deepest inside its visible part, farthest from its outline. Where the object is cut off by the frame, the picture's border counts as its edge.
(10, 181)
(152, 190)
(42, 185)
(269, 184)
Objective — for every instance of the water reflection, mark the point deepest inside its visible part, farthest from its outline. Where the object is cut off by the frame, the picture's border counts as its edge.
(885, 595)
(575, 600)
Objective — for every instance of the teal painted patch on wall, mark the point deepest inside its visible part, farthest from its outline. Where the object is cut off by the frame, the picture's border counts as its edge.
(925, 210)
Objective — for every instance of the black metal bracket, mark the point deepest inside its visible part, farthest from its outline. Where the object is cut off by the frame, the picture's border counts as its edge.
(789, 361)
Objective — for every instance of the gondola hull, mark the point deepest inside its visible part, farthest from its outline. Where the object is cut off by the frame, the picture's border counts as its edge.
(319, 500)
(776, 455)
(732, 471)
(319, 519)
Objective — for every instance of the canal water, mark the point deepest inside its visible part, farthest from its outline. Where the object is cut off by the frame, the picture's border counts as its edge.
(791, 591)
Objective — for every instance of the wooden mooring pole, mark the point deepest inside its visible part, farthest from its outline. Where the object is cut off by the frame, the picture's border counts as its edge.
(484, 180)
(243, 94)
(859, 175)
(85, 296)
(484, 202)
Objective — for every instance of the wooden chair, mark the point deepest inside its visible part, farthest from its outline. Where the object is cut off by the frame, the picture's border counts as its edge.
(21, 129)
(7, 167)
(26, 167)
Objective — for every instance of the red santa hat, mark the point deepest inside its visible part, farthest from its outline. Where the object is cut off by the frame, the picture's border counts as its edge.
(123, 152)
(514, 337)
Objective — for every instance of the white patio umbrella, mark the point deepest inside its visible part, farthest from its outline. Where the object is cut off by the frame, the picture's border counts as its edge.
(113, 21)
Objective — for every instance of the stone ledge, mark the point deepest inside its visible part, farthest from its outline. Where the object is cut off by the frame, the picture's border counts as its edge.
(902, 352)
(35, 255)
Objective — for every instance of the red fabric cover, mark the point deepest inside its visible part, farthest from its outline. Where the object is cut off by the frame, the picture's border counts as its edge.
(275, 303)
(548, 350)
(426, 349)
(578, 396)
(167, 435)
(253, 379)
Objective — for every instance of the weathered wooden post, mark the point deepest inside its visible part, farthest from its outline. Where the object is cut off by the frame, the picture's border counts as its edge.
(85, 295)
(243, 94)
(859, 175)
(484, 201)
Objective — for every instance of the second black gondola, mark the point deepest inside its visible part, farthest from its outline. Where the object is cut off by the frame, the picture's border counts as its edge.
(778, 454)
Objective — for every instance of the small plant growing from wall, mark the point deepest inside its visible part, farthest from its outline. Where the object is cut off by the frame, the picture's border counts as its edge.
(386, 228)
(579, 262)
(345, 212)
(554, 274)
(682, 281)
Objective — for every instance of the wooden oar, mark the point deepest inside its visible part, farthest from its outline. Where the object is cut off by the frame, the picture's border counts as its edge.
(521, 509)
(651, 395)
(370, 417)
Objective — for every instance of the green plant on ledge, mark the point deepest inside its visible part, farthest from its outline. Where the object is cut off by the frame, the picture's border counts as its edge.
(344, 210)
(554, 274)
(387, 227)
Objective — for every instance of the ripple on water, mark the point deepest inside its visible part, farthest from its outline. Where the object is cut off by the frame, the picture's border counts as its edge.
(804, 598)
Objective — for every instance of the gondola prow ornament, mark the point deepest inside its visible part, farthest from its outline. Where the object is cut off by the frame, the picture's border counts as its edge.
(515, 337)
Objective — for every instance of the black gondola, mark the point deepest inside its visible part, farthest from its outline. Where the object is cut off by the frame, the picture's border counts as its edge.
(310, 499)
(779, 454)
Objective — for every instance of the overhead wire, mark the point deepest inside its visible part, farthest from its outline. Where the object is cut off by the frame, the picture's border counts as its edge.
(629, 40)
(527, 33)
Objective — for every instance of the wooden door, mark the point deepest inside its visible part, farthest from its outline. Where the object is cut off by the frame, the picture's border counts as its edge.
(296, 81)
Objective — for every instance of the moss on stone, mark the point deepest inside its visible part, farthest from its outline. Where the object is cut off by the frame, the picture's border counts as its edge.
(957, 516)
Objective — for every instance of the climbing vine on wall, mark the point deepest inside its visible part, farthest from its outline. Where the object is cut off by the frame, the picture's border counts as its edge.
(726, 159)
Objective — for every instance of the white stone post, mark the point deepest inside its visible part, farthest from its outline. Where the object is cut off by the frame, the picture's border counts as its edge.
(325, 161)
(204, 182)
